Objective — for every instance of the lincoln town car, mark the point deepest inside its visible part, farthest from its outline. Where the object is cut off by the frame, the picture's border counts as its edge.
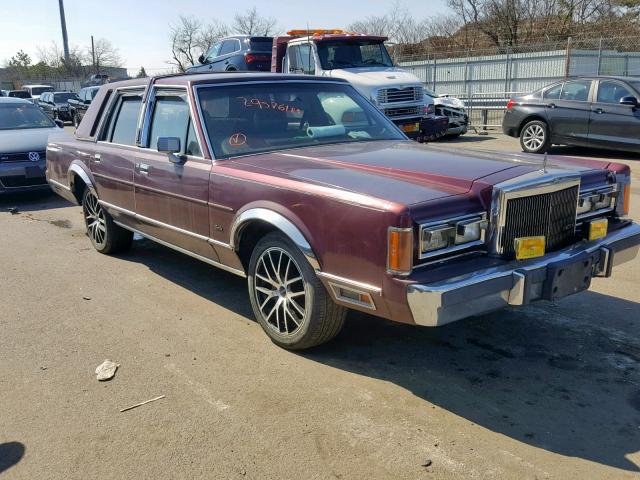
(304, 187)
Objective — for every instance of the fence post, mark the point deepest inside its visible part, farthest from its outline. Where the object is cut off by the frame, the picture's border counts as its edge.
(466, 66)
(506, 70)
(567, 58)
(435, 67)
(599, 55)
(426, 69)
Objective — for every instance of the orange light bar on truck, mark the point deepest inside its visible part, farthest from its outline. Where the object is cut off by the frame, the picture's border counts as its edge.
(400, 250)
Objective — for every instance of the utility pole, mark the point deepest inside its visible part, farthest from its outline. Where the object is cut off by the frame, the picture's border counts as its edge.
(93, 55)
(63, 25)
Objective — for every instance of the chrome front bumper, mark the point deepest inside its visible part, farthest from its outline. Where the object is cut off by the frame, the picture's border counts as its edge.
(522, 282)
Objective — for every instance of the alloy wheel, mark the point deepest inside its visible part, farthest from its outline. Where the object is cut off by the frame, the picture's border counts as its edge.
(534, 137)
(280, 291)
(95, 219)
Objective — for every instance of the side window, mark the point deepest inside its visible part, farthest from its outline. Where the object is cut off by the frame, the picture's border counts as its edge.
(124, 120)
(213, 51)
(553, 93)
(192, 145)
(228, 46)
(577, 91)
(83, 94)
(170, 119)
(304, 59)
(612, 92)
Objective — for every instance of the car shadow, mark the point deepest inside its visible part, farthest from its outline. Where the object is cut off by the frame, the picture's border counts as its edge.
(467, 138)
(10, 454)
(561, 377)
(32, 201)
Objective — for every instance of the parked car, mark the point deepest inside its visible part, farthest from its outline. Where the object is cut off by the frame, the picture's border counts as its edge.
(56, 104)
(238, 52)
(19, 94)
(254, 174)
(452, 108)
(36, 90)
(24, 129)
(600, 112)
(78, 105)
(364, 61)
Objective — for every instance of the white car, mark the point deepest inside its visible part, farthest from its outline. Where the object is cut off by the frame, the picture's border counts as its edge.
(453, 108)
(24, 130)
(36, 90)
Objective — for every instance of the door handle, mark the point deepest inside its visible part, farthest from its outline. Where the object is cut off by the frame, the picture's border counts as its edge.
(97, 158)
(552, 105)
(599, 111)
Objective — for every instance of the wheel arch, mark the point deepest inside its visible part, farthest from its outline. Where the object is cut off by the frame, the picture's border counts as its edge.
(79, 179)
(260, 221)
(530, 118)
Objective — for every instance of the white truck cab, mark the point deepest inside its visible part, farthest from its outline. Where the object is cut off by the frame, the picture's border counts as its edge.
(364, 61)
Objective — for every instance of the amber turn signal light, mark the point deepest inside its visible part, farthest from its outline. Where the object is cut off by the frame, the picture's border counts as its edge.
(626, 199)
(400, 250)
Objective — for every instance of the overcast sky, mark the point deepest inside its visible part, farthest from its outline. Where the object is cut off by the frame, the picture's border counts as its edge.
(139, 28)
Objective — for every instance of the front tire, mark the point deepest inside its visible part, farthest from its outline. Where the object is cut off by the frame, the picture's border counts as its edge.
(534, 137)
(290, 303)
(105, 235)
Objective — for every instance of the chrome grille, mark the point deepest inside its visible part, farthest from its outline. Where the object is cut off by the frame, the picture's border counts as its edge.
(402, 112)
(550, 214)
(20, 157)
(397, 95)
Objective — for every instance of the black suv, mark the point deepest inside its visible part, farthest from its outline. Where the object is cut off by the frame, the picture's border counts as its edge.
(601, 112)
(239, 52)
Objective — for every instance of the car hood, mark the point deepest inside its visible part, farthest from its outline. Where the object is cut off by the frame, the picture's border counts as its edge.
(377, 76)
(451, 102)
(402, 172)
(25, 140)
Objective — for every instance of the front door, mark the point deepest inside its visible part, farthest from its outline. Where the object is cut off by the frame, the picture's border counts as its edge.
(614, 125)
(171, 199)
(569, 115)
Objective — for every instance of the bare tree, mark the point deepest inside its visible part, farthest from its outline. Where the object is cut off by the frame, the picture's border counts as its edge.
(104, 55)
(190, 38)
(52, 55)
(252, 23)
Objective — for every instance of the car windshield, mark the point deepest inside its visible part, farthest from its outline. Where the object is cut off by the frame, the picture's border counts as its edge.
(63, 97)
(19, 116)
(40, 90)
(253, 118)
(349, 54)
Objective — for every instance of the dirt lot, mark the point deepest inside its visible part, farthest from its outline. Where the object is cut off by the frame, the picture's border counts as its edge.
(547, 391)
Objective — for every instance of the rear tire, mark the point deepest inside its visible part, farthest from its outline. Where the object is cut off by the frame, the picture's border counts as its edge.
(105, 235)
(535, 137)
(287, 298)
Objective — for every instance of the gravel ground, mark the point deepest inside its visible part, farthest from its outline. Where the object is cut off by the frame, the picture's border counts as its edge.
(546, 391)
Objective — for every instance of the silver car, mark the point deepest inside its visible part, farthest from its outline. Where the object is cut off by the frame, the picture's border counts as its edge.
(24, 130)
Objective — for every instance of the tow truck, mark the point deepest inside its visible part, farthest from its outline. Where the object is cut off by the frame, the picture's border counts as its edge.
(364, 61)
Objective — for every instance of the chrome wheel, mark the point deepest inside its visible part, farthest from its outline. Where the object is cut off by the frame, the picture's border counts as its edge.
(95, 220)
(280, 291)
(534, 137)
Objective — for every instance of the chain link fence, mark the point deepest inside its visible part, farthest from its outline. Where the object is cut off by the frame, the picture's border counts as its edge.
(485, 78)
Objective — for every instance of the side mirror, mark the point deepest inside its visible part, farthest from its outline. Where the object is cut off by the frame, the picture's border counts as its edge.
(59, 123)
(202, 60)
(87, 102)
(171, 146)
(631, 101)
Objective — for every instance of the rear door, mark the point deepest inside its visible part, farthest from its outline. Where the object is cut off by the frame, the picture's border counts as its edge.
(227, 50)
(171, 199)
(113, 160)
(614, 125)
(569, 114)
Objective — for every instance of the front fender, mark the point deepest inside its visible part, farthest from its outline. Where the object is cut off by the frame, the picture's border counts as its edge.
(279, 221)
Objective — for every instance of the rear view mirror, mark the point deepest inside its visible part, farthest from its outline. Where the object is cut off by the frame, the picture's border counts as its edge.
(631, 101)
(59, 123)
(201, 59)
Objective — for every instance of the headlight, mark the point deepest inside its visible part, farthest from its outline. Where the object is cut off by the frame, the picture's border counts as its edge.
(597, 200)
(454, 234)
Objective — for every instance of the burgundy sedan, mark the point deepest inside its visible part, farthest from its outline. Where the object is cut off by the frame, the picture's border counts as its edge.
(300, 184)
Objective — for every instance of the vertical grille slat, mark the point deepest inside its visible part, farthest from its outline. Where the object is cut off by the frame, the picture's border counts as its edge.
(550, 214)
